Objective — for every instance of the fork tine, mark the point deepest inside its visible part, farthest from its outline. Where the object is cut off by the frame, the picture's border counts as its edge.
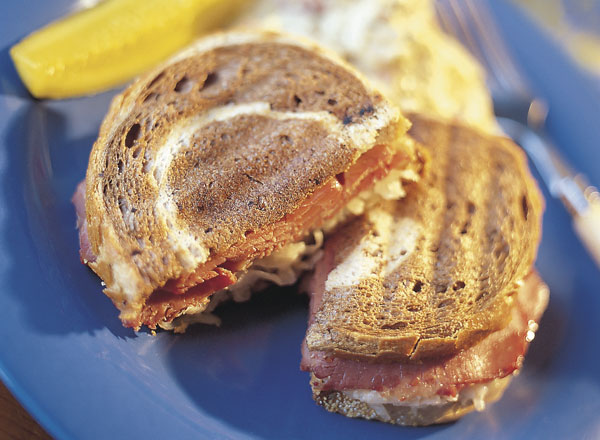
(471, 22)
(453, 22)
(500, 59)
(452, 25)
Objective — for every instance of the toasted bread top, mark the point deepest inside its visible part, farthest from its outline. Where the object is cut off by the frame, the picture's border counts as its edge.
(434, 273)
(225, 138)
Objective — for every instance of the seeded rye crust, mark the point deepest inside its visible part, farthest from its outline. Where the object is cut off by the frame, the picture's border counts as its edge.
(225, 138)
(334, 401)
(476, 221)
(424, 415)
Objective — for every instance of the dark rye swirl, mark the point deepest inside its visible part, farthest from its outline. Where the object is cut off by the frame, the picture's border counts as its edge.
(218, 158)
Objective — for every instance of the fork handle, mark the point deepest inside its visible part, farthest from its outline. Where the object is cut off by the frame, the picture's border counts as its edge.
(587, 227)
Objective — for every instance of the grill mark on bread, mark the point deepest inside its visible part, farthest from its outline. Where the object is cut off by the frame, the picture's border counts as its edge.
(453, 288)
(458, 217)
(123, 183)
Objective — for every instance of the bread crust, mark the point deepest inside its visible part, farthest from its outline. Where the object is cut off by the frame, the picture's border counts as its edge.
(434, 273)
(227, 137)
(422, 415)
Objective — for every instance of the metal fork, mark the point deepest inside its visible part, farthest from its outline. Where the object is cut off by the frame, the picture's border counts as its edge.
(522, 116)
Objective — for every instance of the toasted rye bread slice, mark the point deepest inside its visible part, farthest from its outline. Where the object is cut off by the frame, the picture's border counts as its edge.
(227, 137)
(435, 272)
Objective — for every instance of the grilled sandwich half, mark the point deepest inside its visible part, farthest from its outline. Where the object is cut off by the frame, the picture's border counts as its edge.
(422, 309)
(222, 166)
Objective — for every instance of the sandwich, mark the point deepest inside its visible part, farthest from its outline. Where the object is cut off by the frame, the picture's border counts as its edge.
(422, 309)
(222, 167)
(398, 45)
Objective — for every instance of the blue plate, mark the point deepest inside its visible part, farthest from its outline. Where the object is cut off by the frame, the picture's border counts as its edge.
(65, 356)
